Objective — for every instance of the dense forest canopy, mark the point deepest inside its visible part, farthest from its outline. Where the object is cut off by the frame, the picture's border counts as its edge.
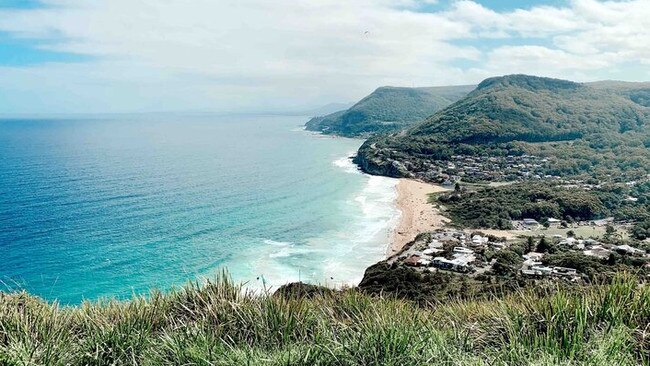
(531, 109)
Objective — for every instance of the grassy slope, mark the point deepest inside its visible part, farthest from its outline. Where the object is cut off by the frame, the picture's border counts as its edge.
(388, 109)
(218, 324)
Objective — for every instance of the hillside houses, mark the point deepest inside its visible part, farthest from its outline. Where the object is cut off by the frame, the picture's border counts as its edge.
(452, 250)
(483, 168)
(533, 266)
(462, 252)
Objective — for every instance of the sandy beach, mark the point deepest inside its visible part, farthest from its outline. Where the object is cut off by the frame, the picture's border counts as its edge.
(417, 214)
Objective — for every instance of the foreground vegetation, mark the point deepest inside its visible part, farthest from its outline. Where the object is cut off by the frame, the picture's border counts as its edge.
(220, 324)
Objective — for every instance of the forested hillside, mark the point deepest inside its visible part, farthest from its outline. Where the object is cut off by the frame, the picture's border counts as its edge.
(578, 130)
(388, 109)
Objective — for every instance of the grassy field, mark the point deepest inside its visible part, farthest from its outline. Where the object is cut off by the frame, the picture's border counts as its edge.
(219, 324)
(586, 231)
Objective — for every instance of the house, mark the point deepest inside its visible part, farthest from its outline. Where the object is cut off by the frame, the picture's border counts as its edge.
(626, 249)
(542, 270)
(604, 222)
(478, 240)
(532, 267)
(554, 222)
(423, 262)
(570, 241)
(533, 256)
(431, 251)
(435, 244)
(412, 260)
(597, 251)
(463, 251)
(459, 264)
(530, 263)
(564, 271)
(531, 223)
(444, 263)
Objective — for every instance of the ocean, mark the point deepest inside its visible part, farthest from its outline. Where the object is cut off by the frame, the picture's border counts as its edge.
(109, 207)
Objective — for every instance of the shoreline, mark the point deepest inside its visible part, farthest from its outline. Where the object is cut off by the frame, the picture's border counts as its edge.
(417, 214)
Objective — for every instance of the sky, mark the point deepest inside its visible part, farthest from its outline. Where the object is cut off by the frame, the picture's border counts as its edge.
(122, 56)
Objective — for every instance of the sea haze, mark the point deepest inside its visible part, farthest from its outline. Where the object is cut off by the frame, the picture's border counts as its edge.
(109, 207)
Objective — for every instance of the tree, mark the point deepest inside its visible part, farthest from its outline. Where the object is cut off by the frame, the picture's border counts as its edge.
(507, 263)
(543, 246)
(530, 244)
(641, 230)
(609, 231)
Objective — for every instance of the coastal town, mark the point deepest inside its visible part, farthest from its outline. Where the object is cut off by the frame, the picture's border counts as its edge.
(472, 253)
(428, 241)
(508, 168)
(580, 218)
(486, 168)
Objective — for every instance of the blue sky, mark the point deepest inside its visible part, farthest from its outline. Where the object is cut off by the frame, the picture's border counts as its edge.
(87, 56)
(20, 4)
(498, 5)
(23, 52)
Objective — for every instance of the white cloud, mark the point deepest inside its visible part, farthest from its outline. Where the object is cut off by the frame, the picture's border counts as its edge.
(538, 60)
(246, 54)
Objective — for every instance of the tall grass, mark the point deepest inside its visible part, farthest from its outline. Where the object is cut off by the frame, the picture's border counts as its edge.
(221, 324)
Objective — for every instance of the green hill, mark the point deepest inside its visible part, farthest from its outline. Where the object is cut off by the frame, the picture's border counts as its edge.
(388, 109)
(637, 92)
(595, 129)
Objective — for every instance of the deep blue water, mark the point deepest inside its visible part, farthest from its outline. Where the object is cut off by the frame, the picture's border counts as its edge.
(108, 207)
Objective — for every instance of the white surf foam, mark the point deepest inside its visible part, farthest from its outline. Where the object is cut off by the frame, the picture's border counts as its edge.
(346, 164)
(365, 240)
(337, 257)
(277, 243)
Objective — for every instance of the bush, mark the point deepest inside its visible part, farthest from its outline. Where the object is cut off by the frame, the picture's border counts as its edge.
(641, 230)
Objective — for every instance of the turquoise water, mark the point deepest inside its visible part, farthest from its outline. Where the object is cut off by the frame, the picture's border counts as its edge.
(109, 207)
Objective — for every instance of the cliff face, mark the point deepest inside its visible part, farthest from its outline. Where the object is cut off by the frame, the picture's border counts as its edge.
(375, 166)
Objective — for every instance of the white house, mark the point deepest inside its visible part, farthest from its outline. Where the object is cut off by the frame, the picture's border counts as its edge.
(597, 251)
(628, 250)
(530, 223)
(554, 222)
(533, 256)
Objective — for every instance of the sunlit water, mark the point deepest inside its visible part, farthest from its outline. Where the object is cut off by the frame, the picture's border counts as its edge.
(108, 207)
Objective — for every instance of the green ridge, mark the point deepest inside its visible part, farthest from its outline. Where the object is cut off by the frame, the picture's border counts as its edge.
(388, 109)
